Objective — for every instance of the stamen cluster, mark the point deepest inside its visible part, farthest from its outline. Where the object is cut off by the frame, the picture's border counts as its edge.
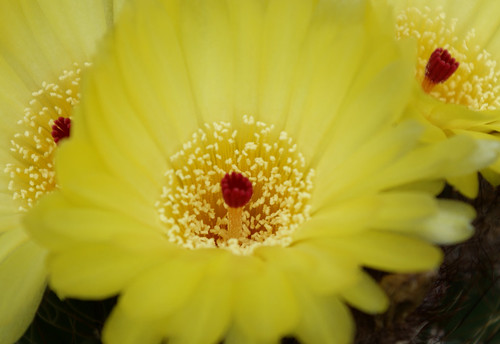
(474, 84)
(267, 171)
(45, 122)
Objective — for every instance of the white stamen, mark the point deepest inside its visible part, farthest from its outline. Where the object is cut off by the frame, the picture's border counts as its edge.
(191, 205)
(31, 171)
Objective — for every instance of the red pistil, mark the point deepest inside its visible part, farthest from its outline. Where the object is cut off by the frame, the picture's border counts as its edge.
(440, 67)
(61, 128)
(236, 189)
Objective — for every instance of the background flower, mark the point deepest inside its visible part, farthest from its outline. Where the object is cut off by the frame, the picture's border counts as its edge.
(291, 95)
(468, 102)
(44, 45)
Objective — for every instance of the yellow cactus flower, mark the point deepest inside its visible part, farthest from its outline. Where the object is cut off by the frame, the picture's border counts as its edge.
(458, 56)
(234, 164)
(44, 46)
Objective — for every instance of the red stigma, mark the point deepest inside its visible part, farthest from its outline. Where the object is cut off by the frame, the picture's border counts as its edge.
(61, 128)
(236, 189)
(440, 67)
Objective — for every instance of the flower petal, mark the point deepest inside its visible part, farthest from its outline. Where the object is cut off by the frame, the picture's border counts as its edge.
(323, 271)
(285, 30)
(252, 313)
(367, 296)
(121, 329)
(164, 288)
(322, 108)
(388, 251)
(206, 319)
(395, 210)
(23, 277)
(324, 320)
(57, 227)
(94, 271)
(458, 155)
(338, 179)
(102, 189)
(450, 225)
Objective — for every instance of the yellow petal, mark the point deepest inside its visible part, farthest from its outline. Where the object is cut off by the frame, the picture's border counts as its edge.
(452, 224)
(337, 219)
(236, 336)
(323, 110)
(402, 209)
(10, 241)
(324, 320)
(248, 25)
(341, 141)
(467, 185)
(209, 55)
(115, 7)
(386, 211)
(121, 329)
(387, 251)
(285, 29)
(9, 211)
(166, 108)
(41, 38)
(253, 312)
(323, 271)
(101, 189)
(142, 161)
(207, 315)
(94, 270)
(52, 223)
(457, 117)
(163, 289)
(23, 277)
(338, 180)
(366, 295)
(458, 155)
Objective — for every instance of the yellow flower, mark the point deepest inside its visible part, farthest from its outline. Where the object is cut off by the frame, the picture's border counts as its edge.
(458, 55)
(44, 45)
(233, 166)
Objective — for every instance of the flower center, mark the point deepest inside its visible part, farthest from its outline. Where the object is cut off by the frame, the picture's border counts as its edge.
(474, 84)
(261, 202)
(46, 121)
(439, 69)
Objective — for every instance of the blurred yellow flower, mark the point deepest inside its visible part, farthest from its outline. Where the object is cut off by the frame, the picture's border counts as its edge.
(466, 35)
(44, 46)
(233, 166)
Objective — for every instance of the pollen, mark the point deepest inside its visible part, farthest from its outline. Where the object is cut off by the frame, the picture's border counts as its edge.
(31, 170)
(262, 168)
(475, 83)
